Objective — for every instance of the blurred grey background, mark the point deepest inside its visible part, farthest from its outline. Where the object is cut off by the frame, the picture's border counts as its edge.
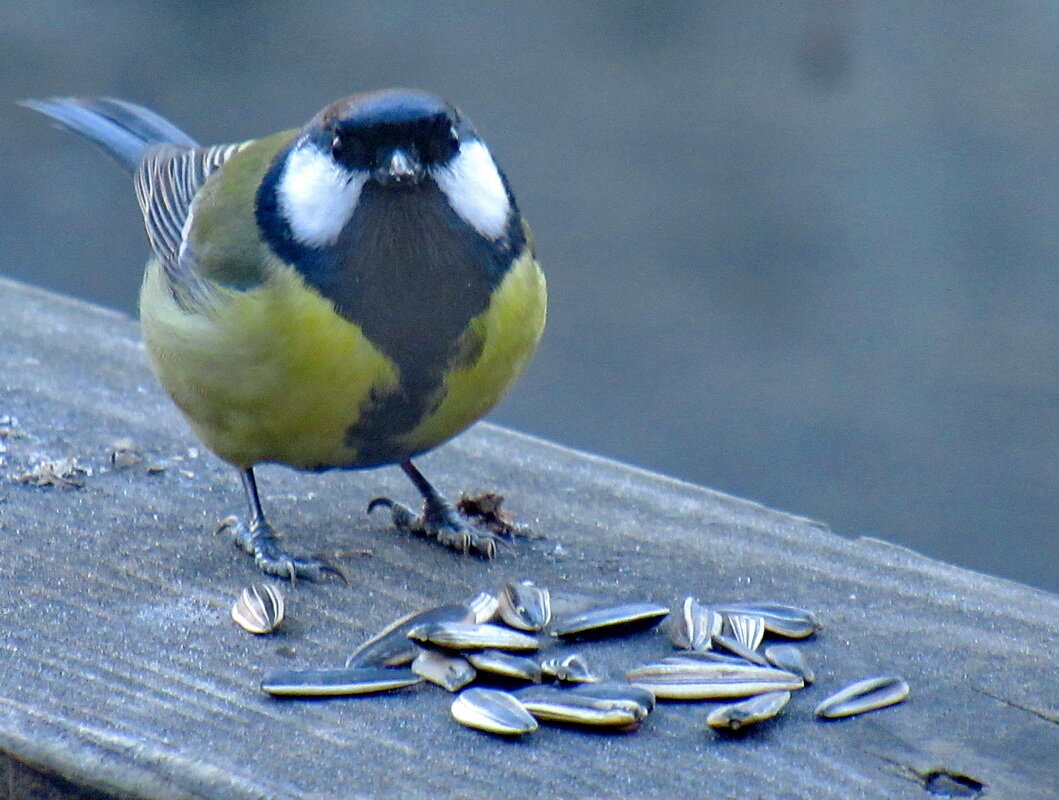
(806, 252)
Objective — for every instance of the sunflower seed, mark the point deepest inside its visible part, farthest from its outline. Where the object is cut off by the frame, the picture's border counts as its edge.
(259, 608)
(569, 669)
(780, 619)
(505, 665)
(747, 629)
(471, 636)
(733, 645)
(610, 621)
(700, 656)
(710, 680)
(391, 646)
(695, 625)
(613, 709)
(862, 696)
(484, 607)
(336, 682)
(755, 709)
(493, 711)
(449, 672)
(790, 658)
(618, 692)
(525, 606)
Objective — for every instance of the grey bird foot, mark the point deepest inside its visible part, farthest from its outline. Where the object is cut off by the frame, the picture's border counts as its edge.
(262, 543)
(442, 522)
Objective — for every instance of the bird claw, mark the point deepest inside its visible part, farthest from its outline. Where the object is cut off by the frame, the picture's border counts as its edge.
(262, 542)
(442, 523)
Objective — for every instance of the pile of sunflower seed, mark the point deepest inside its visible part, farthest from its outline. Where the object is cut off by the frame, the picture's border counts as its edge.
(719, 657)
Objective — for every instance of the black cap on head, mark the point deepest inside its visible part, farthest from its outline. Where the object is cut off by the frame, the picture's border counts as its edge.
(394, 134)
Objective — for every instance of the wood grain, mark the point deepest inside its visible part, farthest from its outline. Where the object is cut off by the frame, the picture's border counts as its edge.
(122, 674)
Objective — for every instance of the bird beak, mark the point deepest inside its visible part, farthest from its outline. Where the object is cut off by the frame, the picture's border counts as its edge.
(401, 168)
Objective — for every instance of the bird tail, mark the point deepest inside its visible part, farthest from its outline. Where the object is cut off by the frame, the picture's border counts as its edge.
(124, 131)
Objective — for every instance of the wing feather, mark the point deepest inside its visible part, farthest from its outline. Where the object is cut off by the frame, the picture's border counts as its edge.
(167, 180)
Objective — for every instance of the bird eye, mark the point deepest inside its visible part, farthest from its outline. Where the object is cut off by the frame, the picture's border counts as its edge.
(350, 151)
(440, 147)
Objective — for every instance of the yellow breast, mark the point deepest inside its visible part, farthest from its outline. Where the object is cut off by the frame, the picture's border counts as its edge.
(509, 329)
(272, 373)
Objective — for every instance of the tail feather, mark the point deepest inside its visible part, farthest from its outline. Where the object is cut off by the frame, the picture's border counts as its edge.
(124, 131)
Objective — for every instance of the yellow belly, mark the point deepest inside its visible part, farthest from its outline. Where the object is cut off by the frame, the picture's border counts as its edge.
(274, 374)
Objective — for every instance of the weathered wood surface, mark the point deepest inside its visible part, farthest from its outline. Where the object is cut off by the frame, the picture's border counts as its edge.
(121, 672)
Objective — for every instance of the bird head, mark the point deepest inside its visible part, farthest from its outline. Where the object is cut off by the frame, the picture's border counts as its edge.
(392, 137)
(394, 141)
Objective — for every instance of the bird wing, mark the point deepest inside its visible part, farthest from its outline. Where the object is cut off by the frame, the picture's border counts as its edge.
(167, 180)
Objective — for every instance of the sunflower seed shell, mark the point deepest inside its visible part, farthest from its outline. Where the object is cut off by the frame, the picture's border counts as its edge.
(391, 646)
(484, 607)
(471, 636)
(733, 645)
(867, 695)
(569, 669)
(449, 672)
(505, 665)
(737, 716)
(336, 682)
(571, 707)
(699, 656)
(493, 711)
(259, 608)
(790, 658)
(618, 692)
(525, 606)
(711, 680)
(693, 628)
(747, 629)
(782, 620)
(610, 621)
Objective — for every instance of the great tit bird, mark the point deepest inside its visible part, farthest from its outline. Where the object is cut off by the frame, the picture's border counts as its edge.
(342, 296)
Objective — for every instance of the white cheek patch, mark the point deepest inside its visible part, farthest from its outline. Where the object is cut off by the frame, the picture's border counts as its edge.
(475, 190)
(316, 196)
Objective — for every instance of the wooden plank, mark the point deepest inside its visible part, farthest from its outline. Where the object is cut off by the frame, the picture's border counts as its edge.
(121, 673)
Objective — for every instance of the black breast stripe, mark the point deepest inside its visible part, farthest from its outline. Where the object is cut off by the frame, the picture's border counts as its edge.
(411, 274)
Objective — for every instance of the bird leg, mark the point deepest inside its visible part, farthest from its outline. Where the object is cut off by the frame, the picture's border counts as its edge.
(440, 520)
(262, 542)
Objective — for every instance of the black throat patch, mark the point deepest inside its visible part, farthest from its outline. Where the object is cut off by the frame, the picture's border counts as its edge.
(411, 274)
